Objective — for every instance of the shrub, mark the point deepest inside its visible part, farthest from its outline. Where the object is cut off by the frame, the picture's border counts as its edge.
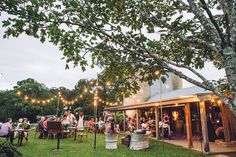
(8, 150)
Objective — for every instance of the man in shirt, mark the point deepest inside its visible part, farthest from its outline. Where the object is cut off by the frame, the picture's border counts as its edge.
(6, 130)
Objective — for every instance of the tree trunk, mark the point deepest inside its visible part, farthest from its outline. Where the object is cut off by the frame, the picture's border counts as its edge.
(230, 69)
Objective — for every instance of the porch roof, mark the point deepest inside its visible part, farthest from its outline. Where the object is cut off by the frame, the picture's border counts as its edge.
(176, 97)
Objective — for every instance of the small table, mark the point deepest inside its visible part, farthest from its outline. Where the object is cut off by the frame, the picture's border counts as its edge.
(21, 134)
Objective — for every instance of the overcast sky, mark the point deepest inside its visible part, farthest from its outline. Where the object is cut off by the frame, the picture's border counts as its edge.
(25, 57)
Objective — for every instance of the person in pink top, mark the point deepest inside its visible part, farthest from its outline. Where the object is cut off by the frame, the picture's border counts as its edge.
(6, 130)
(45, 126)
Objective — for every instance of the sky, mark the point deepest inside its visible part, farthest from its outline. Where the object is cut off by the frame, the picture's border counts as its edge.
(26, 57)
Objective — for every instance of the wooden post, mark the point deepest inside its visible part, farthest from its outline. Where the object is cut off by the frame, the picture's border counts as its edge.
(157, 122)
(206, 146)
(124, 122)
(188, 125)
(226, 123)
(137, 118)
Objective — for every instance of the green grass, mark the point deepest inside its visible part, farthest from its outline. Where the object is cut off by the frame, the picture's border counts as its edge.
(70, 148)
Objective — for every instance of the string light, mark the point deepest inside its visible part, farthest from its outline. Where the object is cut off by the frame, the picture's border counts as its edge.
(18, 93)
(63, 99)
(108, 83)
(33, 100)
(85, 90)
(26, 97)
(157, 72)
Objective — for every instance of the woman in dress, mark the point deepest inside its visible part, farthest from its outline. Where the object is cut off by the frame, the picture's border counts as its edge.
(81, 121)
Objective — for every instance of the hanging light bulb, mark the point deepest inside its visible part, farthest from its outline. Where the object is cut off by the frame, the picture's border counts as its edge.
(26, 97)
(108, 83)
(157, 72)
(18, 93)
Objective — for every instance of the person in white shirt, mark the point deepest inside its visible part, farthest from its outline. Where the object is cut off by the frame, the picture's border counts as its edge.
(81, 122)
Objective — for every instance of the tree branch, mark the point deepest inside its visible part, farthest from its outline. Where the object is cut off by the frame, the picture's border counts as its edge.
(201, 43)
(206, 23)
(188, 68)
(205, 7)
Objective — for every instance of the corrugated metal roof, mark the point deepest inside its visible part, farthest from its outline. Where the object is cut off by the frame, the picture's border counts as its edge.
(184, 92)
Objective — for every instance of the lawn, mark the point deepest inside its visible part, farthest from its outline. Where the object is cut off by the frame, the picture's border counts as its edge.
(70, 148)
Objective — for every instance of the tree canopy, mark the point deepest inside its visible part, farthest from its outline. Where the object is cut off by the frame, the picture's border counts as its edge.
(137, 37)
(17, 106)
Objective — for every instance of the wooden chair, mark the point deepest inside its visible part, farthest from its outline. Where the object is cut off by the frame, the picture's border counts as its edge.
(83, 134)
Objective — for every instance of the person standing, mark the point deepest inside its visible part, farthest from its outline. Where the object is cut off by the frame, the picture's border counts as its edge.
(81, 121)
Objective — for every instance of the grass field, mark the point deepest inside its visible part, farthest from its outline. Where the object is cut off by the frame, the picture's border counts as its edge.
(70, 148)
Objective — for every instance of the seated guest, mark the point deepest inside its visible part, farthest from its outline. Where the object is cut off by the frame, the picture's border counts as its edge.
(26, 124)
(6, 130)
(112, 129)
(90, 124)
(65, 123)
(142, 130)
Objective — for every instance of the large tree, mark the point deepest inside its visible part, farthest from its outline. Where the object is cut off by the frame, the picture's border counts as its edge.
(137, 36)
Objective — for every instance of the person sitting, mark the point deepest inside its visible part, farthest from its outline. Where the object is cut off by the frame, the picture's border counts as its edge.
(112, 129)
(6, 130)
(26, 125)
(90, 125)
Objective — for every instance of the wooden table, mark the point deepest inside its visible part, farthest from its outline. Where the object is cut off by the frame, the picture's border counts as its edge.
(21, 134)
